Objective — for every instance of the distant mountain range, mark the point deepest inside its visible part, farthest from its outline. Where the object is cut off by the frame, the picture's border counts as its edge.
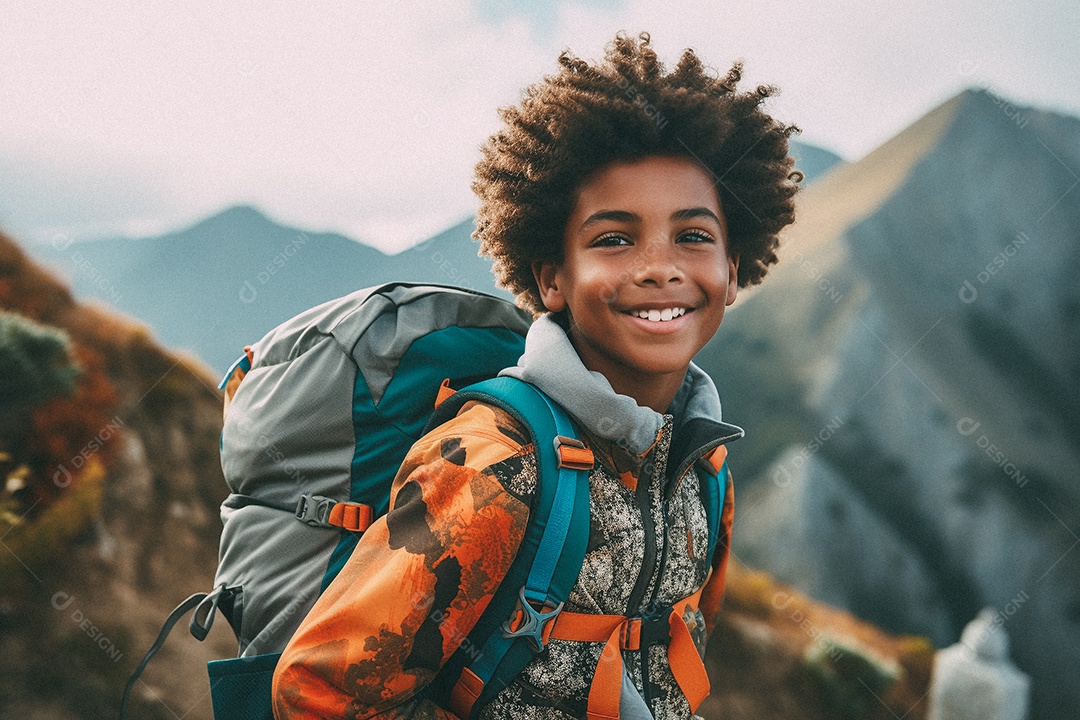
(225, 281)
(222, 283)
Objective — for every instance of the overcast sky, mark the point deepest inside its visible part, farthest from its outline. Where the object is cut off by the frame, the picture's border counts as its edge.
(366, 118)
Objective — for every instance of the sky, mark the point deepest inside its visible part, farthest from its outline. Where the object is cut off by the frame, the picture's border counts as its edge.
(365, 118)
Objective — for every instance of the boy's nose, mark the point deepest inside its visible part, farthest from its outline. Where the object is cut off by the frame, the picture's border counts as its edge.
(657, 264)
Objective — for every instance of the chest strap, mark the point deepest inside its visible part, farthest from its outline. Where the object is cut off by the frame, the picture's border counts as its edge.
(619, 633)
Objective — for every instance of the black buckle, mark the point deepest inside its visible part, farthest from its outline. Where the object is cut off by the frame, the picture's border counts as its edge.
(314, 510)
(532, 623)
(656, 628)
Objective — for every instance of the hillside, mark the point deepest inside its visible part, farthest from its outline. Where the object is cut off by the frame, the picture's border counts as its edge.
(110, 513)
(907, 378)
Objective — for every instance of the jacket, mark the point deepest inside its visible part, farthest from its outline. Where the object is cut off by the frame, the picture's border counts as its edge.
(420, 577)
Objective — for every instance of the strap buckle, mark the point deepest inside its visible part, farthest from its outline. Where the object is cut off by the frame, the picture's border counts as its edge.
(314, 510)
(655, 628)
(532, 623)
(572, 454)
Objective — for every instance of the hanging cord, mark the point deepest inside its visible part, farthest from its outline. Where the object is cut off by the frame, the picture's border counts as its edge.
(198, 628)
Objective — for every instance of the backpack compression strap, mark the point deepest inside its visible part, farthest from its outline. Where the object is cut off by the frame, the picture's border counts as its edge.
(519, 618)
(671, 626)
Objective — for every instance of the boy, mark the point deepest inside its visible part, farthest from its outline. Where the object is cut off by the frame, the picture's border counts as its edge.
(624, 207)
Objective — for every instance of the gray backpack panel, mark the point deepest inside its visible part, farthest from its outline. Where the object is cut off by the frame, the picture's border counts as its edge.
(289, 431)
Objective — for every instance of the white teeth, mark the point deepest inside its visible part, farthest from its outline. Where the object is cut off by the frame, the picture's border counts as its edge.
(660, 315)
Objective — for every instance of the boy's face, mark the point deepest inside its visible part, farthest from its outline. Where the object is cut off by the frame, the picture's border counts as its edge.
(646, 274)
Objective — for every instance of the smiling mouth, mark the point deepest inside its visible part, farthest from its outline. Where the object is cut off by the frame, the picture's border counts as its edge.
(659, 316)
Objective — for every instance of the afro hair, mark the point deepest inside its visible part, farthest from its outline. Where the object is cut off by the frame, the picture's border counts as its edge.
(585, 117)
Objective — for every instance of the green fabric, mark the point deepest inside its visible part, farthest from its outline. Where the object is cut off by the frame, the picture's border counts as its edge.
(241, 687)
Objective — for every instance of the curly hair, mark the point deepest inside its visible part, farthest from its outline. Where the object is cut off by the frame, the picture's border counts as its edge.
(579, 120)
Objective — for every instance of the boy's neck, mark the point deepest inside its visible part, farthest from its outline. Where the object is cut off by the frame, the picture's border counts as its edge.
(655, 391)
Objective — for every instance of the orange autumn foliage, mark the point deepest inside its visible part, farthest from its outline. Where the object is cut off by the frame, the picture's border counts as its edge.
(66, 431)
(62, 433)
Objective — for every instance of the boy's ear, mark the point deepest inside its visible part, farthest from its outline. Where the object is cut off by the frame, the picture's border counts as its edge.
(733, 278)
(546, 274)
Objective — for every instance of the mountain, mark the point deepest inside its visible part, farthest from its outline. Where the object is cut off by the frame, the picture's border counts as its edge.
(813, 161)
(908, 378)
(218, 285)
(225, 281)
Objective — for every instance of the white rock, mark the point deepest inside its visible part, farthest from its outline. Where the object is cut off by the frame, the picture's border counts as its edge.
(974, 679)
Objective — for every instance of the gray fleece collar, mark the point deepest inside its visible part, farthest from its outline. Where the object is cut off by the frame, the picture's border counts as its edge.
(551, 364)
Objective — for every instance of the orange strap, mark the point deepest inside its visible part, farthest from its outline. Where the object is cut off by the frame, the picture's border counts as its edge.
(573, 454)
(717, 457)
(465, 693)
(351, 516)
(445, 391)
(619, 633)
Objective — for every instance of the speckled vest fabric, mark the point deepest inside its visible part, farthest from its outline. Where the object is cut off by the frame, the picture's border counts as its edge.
(647, 549)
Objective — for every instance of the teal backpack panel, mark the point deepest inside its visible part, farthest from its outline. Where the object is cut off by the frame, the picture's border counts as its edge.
(385, 430)
(240, 688)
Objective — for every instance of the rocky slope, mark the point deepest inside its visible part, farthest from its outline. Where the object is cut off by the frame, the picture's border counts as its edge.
(89, 575)
(910, 368)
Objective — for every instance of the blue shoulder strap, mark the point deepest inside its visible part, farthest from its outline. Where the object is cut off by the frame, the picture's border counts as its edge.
(551, 553)
(713, 494)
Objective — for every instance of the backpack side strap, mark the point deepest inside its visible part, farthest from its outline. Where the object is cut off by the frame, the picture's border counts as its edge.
(714, 480)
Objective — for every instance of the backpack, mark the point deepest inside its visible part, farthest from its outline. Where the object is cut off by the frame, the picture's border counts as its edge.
(318, 416)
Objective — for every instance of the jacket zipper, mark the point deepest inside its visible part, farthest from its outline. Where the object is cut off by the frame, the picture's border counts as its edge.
(684, 467)
(643, 496)
(643, 500)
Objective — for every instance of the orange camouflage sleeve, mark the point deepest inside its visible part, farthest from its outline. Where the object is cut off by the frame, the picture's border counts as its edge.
(418, 580)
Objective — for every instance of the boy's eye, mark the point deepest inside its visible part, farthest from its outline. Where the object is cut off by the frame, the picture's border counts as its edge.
(696, 236)
(610, 241)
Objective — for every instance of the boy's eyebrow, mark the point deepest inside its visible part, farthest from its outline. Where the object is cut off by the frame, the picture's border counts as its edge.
(695, 212)
(616, 215)
(629, 217)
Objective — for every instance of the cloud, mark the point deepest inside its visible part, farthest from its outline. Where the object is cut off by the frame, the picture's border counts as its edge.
(366, 118)
(72, 192)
